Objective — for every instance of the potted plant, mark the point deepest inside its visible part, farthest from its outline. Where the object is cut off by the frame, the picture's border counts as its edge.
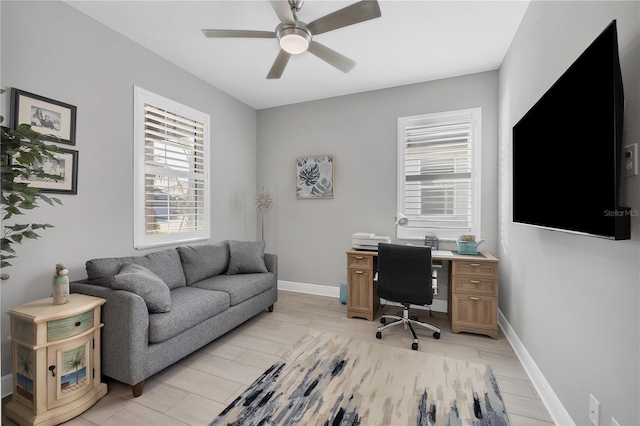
(23, 152)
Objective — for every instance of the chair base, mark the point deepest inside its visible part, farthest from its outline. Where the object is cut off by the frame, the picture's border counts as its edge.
(408, 324)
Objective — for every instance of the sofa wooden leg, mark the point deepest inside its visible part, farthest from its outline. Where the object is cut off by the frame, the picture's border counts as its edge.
(137, 389)
(271, 308)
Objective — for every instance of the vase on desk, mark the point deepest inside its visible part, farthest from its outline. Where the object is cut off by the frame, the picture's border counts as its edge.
(60, 285)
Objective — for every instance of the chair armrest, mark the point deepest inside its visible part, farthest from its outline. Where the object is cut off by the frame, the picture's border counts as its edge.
(125, 335)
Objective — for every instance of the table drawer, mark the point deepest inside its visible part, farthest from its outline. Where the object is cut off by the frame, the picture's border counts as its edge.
(70, 326)
(360, 262)
(475, 268)
(475, 286)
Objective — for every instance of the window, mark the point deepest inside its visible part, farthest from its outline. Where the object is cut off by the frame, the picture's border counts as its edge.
(438, 176)
(171, 168)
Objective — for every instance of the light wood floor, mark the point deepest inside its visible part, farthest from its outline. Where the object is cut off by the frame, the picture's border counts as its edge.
(194, 390)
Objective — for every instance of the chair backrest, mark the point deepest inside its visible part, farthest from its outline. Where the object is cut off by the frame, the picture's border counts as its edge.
(404, 274)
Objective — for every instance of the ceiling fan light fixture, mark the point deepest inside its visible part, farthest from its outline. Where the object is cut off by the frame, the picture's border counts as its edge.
(293, 39)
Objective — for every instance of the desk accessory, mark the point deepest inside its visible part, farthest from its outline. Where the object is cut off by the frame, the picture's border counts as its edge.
(401, 220)
(430, 240)
(467, 244)
(368, 241)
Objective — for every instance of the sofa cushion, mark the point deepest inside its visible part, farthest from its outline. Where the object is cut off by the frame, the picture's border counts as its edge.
(146, 284)
(239, 287)
(204, 260)
(165, 264)
(189, 307)
(246, 257)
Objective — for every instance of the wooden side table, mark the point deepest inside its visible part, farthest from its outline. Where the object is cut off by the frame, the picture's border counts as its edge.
(56, 360)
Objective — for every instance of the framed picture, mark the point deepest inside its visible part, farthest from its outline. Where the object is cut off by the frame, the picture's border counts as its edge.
(314, 177)
(45, 115)
(66, 165)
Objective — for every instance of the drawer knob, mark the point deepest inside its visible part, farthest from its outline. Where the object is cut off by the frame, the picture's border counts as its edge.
(359, 272)
(78, 324)
(474, 264)
(359, 257)
(474, 281)
(474, 298)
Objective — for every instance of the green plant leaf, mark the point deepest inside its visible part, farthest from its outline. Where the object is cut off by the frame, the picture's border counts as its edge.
(17, 228)
(41, 226)
(6, 246)
(30, 234)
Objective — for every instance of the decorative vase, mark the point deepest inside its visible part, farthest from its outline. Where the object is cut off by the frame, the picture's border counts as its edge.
(60, 285)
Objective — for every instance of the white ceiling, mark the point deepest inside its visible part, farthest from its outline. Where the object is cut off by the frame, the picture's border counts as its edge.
(413, 41)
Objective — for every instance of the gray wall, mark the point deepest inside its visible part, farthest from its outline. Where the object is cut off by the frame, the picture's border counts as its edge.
(51, 49)
(360, 130)
(572, 300)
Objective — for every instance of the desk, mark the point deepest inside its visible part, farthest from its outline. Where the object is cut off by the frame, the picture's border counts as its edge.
(472, 297)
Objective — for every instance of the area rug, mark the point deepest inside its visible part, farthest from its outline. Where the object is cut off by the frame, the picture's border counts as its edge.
(336, 380)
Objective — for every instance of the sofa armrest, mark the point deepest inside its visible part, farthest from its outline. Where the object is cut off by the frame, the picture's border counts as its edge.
(125, 335)
(271, 262)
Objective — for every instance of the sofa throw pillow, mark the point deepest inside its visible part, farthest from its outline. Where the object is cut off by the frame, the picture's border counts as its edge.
(165, 264)
(246, 257)
(204, 260)
(146, 284)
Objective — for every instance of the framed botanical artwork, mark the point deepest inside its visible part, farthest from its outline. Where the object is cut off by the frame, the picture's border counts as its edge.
(314, 177)
(65, 164)
(44, 115)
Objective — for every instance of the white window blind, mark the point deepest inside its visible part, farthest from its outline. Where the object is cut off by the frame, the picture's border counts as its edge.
(438, 183)
(172, 194)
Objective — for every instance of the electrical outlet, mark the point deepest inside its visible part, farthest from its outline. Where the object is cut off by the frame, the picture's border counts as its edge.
(594, 410)
(614, 422)
(631, 160)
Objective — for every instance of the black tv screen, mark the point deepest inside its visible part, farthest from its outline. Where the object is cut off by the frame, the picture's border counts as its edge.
(567, 149)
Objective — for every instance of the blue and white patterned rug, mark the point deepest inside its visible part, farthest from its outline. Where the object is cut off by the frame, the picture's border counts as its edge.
(336, 380)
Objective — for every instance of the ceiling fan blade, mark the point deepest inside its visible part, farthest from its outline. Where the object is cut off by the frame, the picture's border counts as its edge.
(332, 57)
(238, 33)
(283, 10)
(357, 12)
(278, 65)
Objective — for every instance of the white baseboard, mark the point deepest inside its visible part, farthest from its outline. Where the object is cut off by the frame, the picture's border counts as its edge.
(323, 290)
(6, 385)
(557, 411)
(319, 290)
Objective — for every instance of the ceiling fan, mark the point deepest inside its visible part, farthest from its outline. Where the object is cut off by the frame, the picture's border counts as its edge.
(295, 36)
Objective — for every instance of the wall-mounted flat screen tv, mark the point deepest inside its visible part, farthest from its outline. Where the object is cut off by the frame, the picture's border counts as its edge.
(567, 150)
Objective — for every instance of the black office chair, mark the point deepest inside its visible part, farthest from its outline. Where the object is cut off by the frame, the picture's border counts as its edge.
(404, 276)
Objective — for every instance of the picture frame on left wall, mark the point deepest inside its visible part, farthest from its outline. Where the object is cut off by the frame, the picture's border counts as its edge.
(44, 115)
(65, 164)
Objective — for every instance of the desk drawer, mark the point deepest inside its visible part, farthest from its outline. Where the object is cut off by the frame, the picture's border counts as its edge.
(475, 286)
(70, 326)
(475, 268)
(360, 262)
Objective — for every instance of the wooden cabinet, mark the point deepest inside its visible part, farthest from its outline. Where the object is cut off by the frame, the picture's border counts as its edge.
(362, 298)
(56, 360)
(473, 295)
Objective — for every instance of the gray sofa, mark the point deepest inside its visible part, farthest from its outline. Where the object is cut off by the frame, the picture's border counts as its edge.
(163, 306)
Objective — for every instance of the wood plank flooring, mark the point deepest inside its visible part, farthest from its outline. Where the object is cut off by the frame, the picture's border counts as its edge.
(194, 390)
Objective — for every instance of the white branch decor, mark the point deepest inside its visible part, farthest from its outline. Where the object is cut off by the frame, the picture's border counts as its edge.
(263, 204)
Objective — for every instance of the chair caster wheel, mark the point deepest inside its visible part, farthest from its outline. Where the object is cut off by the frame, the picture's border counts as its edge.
(378, 335)
(436, 335)
(383, 320)
(414, 346)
